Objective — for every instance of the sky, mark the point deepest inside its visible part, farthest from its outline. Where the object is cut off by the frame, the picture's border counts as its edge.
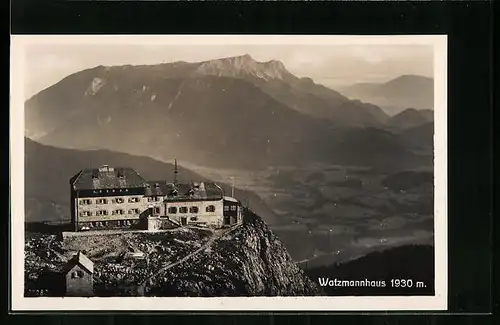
(331, 65)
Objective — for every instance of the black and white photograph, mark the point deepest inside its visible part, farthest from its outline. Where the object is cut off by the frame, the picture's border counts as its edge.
(238, 172)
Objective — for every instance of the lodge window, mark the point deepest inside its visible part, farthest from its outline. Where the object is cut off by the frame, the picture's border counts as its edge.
(101, 201)
(193, 210)
(183, 210)
(210, 208)
(233, 208)
(193, 218)
(172, 210)
(226, 208)
(85, 213)
(119, 200)
(157, 210)
(102, 213)
(119, 211)
(154, 199)
(85, 202)
(132, 211)
(133, 200)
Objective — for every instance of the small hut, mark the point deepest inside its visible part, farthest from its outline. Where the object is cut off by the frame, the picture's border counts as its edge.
(79, 276)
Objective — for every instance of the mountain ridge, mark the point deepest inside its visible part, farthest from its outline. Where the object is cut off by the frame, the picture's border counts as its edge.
(395, 95)
(158, 111)
(411, 117)
(300, 94)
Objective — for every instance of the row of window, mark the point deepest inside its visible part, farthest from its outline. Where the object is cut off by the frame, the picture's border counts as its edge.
(194, 209)
(115, 200)
(105, 223)
(106, 212)
(111, 190)
(171, 210)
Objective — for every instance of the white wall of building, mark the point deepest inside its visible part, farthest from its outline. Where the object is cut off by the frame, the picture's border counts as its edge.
(213, 219)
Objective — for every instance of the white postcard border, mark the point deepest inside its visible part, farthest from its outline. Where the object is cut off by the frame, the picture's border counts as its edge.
(345, 303)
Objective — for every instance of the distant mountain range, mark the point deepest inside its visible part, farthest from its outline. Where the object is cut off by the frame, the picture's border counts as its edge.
(233, 112)
(48, 170)
(419, 137)
(396, 95)
(410, 118)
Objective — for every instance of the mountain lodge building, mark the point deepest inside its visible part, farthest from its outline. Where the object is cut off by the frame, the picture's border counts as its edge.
(119, 198)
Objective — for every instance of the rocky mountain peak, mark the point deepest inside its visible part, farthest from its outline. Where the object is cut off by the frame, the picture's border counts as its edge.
(243, 66)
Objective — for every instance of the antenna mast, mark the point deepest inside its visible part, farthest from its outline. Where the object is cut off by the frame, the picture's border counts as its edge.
(232, 186)
(175, 172)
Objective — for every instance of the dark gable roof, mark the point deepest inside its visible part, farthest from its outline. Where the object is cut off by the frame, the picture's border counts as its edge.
(157, 188)
(194, 191)
(107, 178)
(79, 259)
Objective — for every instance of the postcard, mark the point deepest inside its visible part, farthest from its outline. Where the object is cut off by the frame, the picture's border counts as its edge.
(228, 173)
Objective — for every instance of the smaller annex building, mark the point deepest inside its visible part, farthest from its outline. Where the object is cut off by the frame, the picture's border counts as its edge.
(119, 198)
(79, 276)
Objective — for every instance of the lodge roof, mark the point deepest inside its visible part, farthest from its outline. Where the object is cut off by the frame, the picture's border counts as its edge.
(157, 188)
(193, 191)
(107, 177)
(82, 260)
(230, 199)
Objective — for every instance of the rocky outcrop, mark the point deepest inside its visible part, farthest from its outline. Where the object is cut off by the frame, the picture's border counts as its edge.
(245, 261)
(249, 261)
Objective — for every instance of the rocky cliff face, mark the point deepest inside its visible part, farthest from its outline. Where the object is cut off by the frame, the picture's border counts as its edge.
(245, 261)
(250, 261)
